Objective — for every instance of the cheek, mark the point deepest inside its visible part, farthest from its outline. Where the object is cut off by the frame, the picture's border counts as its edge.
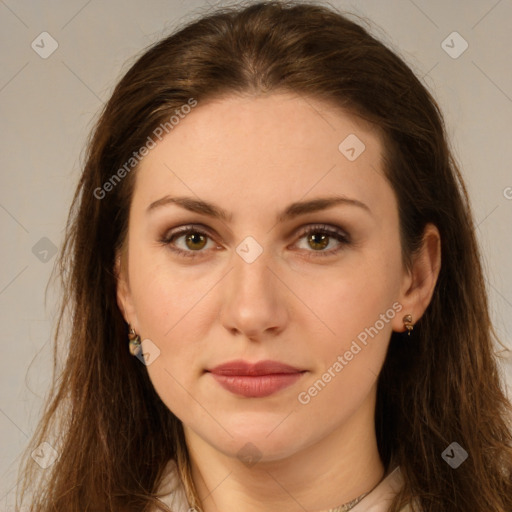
(356, 311)
(174, 310)
(167, 311)
(347, 302)
(164, 293)
(359, 311)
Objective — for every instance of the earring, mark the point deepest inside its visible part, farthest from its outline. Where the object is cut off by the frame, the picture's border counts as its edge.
(134, 344)
(408, 324)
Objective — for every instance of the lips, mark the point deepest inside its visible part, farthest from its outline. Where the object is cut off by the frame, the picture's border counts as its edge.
(245, 368)
(254, 380)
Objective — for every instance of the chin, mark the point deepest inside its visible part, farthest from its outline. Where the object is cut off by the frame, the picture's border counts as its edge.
(266, 442)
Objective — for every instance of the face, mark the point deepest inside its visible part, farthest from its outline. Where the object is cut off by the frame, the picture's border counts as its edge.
(318, 289)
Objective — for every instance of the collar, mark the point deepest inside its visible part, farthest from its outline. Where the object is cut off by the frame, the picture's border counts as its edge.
(378, 500)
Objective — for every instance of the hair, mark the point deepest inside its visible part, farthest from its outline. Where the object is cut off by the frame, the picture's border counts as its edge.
(442, 384)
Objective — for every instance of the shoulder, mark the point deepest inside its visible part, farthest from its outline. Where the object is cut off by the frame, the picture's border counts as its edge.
(171, 492)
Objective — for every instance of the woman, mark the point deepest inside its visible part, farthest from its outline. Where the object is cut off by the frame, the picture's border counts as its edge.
(276, 294)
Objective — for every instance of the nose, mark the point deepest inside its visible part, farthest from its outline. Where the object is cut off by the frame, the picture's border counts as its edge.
(255, 299)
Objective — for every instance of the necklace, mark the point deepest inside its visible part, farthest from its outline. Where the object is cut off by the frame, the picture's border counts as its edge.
(351, 504)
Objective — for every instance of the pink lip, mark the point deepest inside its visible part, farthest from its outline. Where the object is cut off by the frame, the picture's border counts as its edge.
(255, 380)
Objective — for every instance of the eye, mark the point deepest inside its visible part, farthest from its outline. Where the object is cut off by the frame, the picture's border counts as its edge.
(319, 236)
(195, 239)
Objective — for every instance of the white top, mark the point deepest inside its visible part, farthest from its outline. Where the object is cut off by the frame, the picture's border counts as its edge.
(380, 498)
(377, 500)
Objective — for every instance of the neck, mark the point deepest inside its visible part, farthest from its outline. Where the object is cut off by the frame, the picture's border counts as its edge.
(337, 469)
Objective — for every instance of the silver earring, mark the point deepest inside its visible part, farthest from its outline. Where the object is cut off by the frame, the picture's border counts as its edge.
(134, 344)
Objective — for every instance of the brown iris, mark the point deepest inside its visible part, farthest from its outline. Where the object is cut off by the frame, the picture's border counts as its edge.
(321, 240)
(195, 238)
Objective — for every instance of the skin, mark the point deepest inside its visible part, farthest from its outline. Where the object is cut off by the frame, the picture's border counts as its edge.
(253, 156)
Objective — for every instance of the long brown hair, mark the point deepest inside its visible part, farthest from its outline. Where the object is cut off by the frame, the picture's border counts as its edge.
(441, 385)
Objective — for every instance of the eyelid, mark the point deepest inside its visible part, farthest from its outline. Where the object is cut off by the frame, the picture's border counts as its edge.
(200, 228)
(325, 228)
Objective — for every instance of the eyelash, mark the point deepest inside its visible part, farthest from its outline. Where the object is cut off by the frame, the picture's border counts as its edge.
(323, 229)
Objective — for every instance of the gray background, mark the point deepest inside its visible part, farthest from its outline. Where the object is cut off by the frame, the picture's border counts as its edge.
(47, 107)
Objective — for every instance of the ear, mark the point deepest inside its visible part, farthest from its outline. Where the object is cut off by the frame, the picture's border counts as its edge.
(124, 297)
(419, 282)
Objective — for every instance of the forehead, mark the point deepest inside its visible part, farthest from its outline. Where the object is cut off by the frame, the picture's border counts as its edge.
(253, 151)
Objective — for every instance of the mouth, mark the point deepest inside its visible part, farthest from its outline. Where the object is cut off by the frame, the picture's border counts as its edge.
(255, 380)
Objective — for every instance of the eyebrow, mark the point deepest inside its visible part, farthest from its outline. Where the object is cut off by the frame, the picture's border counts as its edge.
(293, 210)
